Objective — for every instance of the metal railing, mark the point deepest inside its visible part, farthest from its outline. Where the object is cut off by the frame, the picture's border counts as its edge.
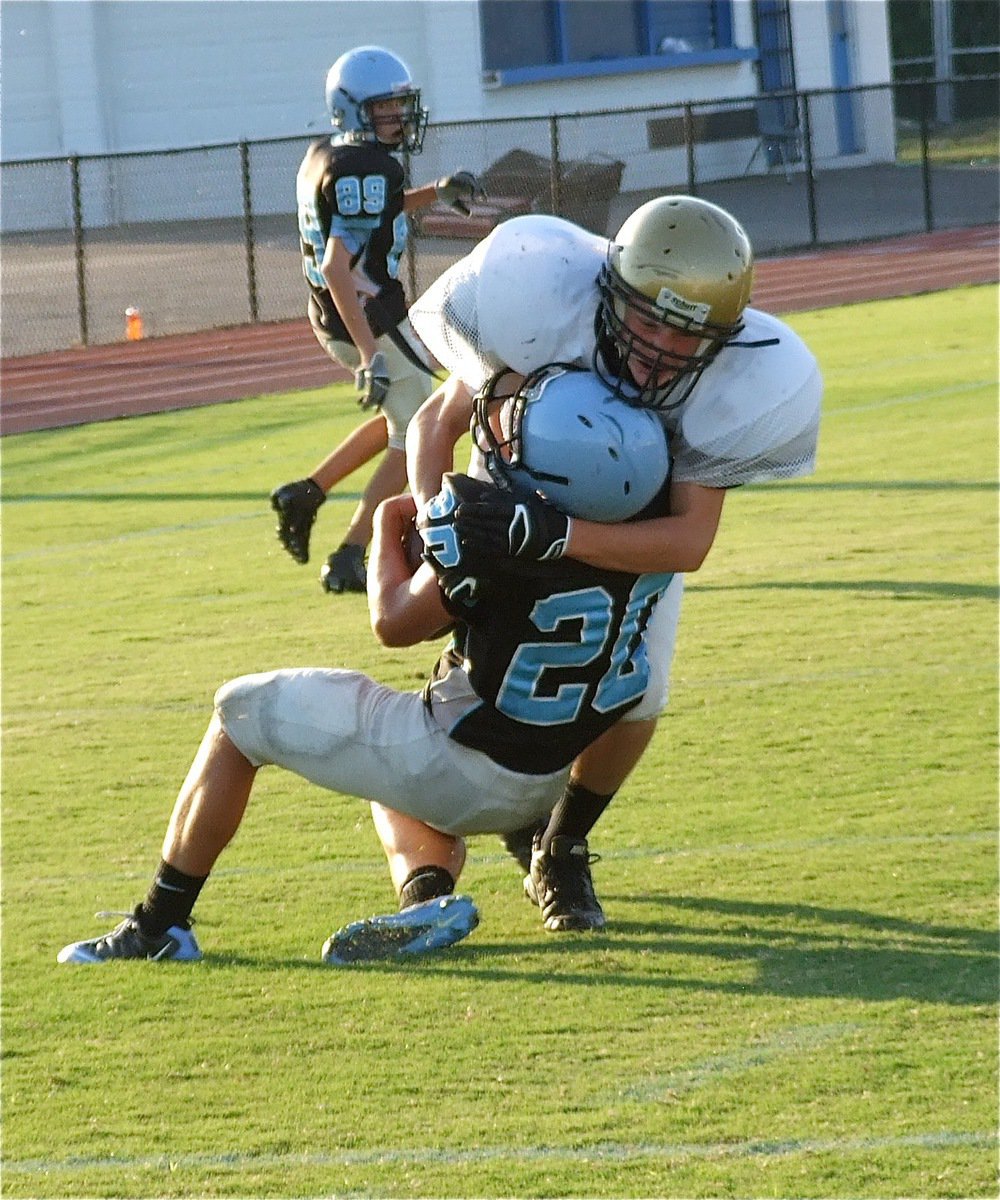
(206, 237)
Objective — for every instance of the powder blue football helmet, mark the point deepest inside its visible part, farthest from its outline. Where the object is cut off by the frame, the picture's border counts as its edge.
(370, 73)
(563, 433)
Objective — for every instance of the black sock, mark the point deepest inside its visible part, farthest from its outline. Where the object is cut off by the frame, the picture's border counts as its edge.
(576, 814)
(169, 901)
(424, 884)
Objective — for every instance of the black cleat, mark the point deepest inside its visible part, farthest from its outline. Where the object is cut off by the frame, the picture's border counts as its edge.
(344, 570)
(296, 505)
(128, 941)
(560, 883)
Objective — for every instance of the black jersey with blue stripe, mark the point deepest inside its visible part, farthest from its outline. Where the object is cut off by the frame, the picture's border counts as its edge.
(556, 652)
(353, 191)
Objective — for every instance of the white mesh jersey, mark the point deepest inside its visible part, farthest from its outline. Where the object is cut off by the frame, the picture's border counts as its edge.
(527, 295)
(754, 413)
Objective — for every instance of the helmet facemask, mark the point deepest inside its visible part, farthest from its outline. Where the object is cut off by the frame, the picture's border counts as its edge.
(497, 418)
(681, 265)
(412, 118)
(618, 345)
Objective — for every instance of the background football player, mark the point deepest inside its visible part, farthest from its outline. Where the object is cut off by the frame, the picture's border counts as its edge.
(661, 313)
(352, 209)
(542, 661)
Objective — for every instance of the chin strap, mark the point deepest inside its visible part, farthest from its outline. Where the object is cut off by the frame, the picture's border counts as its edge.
(755, 345)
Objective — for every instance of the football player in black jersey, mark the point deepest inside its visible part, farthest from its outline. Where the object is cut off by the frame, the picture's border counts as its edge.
(542, 663)
(352, 207)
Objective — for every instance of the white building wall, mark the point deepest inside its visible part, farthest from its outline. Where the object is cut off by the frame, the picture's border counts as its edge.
(872, 50)
(870, 62)
(104, 76)
(117, 76)
(868, 30)
(447, 58)
(872, 45)
(29, 103)
(811, 39)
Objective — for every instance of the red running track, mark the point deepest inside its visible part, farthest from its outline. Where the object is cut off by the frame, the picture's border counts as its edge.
(99, 383)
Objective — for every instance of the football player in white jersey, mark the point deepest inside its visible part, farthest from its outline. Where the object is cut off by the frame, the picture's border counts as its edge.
(660, 312)
(543, 660)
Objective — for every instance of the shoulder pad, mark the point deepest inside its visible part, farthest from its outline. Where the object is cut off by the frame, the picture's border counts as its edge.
(754, 414)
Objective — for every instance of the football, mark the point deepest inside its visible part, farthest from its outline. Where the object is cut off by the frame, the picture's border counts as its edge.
(413, 545)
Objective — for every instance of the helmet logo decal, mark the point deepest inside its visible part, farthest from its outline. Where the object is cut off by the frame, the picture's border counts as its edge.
(676, 306)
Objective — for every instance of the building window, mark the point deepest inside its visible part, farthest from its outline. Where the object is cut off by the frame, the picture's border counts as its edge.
(520, 38)
(944, 40)
(599, 29)
(682, 26)
(550, 33)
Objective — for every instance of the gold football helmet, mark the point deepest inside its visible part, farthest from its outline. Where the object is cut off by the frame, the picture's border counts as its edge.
(679, 262)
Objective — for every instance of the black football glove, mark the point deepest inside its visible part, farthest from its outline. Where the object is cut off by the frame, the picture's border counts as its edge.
(513, 527)
(373, 382)
(459, 190)
(443, 550)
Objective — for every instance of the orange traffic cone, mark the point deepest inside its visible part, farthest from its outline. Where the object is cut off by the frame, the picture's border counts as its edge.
(133, 325)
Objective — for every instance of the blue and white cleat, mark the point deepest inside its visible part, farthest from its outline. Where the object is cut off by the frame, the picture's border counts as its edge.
(431, 925)
(127, 940)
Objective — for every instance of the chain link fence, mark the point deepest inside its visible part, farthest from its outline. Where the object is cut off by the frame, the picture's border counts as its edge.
(206, 238)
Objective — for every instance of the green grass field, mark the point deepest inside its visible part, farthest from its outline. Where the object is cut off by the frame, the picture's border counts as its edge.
(967, 143)
(797, 993)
